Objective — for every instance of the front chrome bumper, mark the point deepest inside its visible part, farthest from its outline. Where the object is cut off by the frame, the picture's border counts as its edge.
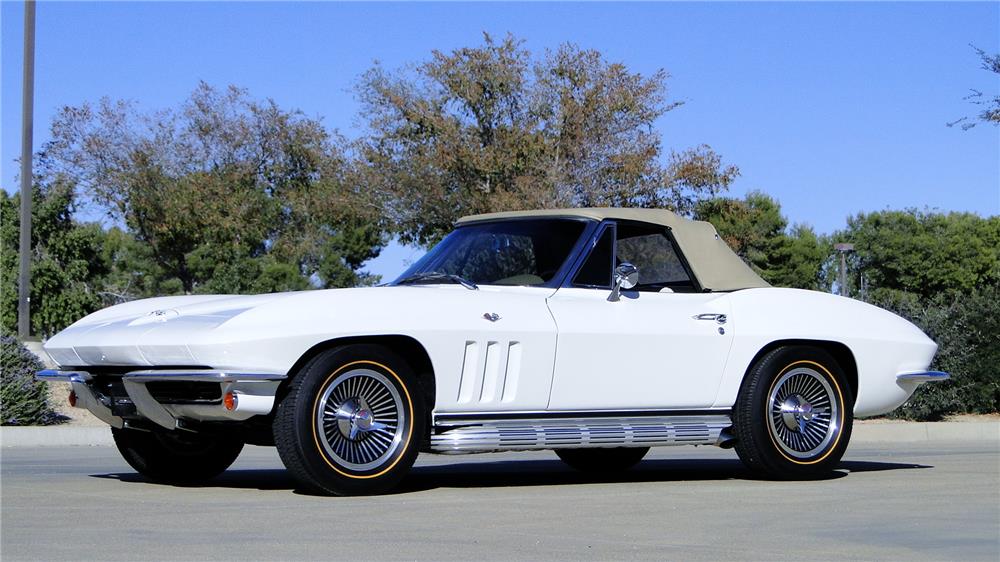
(253, 392)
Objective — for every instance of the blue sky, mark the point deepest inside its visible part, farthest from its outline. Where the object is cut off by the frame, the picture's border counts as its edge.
(831, 108)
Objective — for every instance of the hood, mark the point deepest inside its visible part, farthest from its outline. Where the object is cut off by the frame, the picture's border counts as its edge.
(149, 331)
(270, 331)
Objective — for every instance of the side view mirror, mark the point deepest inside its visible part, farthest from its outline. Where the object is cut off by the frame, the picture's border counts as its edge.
(626, 277)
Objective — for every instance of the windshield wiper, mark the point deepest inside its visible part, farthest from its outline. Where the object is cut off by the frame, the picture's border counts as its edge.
(432, 276)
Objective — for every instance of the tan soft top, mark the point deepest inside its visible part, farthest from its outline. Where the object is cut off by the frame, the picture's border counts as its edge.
(715, 265)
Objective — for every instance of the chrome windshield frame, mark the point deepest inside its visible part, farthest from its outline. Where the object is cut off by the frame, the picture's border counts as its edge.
(579, 247)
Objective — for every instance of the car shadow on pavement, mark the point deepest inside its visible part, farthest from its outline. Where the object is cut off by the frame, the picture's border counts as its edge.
(520, 473)
(555, 473)
(254, 479)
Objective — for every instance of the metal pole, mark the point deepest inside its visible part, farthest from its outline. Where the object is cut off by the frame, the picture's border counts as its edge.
(843, 274)
(843, 248)
(27, 114)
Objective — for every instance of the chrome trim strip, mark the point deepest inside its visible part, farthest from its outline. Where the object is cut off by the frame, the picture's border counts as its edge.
(199, 375)
(528, 434)
(923, 376)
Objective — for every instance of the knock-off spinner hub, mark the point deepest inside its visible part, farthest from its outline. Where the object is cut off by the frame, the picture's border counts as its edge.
(795, 410)
(354, 418)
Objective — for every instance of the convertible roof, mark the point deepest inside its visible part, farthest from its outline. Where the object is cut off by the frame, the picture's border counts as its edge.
(715, 265)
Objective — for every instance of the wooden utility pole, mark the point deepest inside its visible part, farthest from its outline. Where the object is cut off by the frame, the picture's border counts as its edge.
(27, 115)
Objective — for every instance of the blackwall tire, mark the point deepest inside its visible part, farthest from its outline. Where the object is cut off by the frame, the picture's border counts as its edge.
(793, 415)
(176, 456)
(351, 422)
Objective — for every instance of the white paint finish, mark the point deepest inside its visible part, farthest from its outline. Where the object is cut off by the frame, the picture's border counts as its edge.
(883, 344)
(513, 372)
(269, 333)
(470, 372)
(635, 353)
(491, 372)
(643, 351)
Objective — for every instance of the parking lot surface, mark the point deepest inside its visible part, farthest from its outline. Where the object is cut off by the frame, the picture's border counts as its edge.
(913, 501)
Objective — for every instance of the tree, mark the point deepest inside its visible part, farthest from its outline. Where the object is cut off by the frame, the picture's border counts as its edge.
(757, 231)
(228, 194)
(799, 259)
(67, 264)
(990, 106)
(923, 253)
(491, 128)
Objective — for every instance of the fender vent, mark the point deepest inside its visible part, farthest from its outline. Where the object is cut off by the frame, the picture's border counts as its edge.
(490, 372)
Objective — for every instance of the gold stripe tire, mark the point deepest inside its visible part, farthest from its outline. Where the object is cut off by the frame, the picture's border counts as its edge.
(351, 422)
(793, 416)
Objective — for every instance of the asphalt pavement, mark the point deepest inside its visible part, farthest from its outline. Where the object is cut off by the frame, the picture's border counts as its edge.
(909, 501)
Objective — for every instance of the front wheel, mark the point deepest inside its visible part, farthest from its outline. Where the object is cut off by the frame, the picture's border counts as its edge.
(351, 422)
(793, 416)
(176, 456)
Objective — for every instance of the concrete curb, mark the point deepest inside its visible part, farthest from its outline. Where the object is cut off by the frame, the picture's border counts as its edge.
(916, 432)
(55, 436)
(907, 432)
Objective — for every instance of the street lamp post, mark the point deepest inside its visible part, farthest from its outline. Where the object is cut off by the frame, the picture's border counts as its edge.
(844, 249)
(27, 114)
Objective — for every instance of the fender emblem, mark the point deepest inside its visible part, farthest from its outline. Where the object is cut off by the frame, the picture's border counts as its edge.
(491, 316)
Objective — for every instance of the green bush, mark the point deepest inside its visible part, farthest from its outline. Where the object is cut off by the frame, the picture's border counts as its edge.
(966, 327)
(23, 400)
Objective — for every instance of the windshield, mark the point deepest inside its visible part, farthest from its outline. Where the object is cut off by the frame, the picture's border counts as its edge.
(518, 252)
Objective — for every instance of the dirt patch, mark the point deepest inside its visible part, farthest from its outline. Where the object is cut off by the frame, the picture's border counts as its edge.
(973, 418)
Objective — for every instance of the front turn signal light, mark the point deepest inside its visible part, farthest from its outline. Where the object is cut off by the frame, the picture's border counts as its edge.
(230, 401)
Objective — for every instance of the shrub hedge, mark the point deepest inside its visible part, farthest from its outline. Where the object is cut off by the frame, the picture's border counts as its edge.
(966, 327)
(23, 400)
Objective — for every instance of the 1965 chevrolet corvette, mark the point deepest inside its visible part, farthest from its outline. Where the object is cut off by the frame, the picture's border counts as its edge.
(595, 332)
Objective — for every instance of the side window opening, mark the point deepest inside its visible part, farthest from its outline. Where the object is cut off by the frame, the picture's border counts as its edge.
(653, 252)
(596, 270)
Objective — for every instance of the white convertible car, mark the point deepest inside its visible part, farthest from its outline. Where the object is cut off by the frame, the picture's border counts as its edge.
(595, 332)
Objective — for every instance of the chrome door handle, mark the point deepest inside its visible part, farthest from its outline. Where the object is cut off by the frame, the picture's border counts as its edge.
(720, 318)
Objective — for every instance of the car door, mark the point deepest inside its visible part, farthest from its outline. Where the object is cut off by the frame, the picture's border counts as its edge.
(493, 348)
(663, 345)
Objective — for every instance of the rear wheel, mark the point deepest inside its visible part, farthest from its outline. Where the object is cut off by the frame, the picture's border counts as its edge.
(351, 422)
(793, 416)
(176, 456)
(614, 459)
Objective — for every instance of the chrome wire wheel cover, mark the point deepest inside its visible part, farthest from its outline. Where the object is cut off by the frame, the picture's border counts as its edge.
(803, 413)
(359, 419)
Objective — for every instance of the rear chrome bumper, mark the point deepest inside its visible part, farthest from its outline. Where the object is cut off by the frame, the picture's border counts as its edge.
(921, 377)
(254, 395)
